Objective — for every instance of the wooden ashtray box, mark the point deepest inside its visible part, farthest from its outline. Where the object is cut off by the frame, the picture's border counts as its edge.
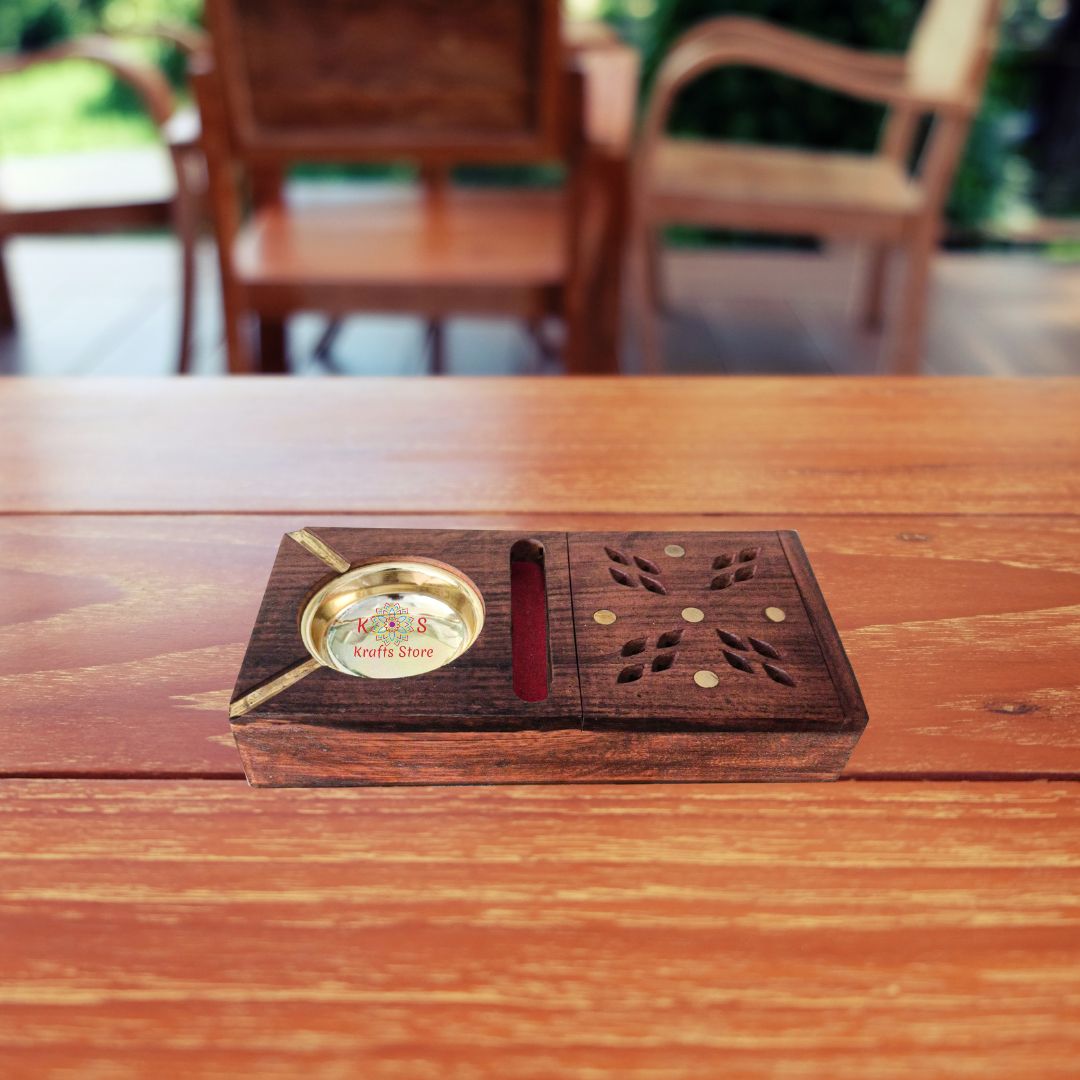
(402, 656)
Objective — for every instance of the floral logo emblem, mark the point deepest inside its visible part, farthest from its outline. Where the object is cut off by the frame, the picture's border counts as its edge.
(392, 624)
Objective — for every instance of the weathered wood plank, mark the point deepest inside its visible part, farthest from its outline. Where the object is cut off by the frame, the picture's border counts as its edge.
(765, 446)
(121, 637)
(806, 930)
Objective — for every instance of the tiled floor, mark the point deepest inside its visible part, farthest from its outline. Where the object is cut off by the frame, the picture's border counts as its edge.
(108, 306)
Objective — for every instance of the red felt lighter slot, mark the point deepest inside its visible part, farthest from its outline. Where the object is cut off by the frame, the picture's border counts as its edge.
(528, 621)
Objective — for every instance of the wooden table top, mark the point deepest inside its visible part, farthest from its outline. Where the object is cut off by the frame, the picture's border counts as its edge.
(922, 915)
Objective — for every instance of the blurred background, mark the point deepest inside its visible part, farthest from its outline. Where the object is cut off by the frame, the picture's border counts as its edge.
(106, 298)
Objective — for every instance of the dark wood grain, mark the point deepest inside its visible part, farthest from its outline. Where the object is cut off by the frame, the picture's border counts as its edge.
(639, 670)
(751, 446)
(304, 753)
(121, 637)
(845, 685)
(630, 684)
(846, 930)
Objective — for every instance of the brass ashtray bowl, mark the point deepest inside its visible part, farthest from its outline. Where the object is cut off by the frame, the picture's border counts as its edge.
(393, 619)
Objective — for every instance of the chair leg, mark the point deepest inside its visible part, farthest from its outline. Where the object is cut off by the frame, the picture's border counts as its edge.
(7, 304)
(609, 275)
(607, 306)
(239, 355)
(872, 302)
(436, 345)
(608, 326)
(575, 350)
(325, 344)
(186, 217)
(646, 315)
(907, 339)
(238, 346)
(546, 351)
(654, 268)
(578, 339)
(187, 233)
(272, 358)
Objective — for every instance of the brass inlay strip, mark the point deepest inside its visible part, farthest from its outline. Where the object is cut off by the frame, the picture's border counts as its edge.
(272, 688)
(310, 542)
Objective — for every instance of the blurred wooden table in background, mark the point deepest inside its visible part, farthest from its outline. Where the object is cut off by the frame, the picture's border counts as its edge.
(922, 916)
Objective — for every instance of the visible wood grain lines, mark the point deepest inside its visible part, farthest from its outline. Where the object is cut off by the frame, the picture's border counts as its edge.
(120, 638)
(635, 932)
(324, 728)
(761, 446)
(847, 930)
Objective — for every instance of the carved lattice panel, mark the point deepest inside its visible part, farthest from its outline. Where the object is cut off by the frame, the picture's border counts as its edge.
(695, 605)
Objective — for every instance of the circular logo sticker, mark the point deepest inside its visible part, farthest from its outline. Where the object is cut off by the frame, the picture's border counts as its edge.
(392, 620)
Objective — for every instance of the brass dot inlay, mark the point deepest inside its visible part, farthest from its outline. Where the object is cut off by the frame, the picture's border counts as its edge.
(604, 617)
(676, 551)
(775, 614)
(706, 679)
(693, 614)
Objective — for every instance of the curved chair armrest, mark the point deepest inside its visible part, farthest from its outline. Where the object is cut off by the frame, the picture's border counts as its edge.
(727, 27)
(143, 78)
(183, 130)
(190, 40)
(737, 40)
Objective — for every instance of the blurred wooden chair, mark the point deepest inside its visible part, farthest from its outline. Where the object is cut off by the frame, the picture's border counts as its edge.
(115, 205)
(385, 81)
(877, 199)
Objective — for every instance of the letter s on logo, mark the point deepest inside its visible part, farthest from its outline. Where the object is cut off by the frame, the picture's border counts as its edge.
(421, 624)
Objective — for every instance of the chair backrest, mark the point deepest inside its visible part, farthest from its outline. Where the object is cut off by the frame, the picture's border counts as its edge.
(431, 81)
(951, 48)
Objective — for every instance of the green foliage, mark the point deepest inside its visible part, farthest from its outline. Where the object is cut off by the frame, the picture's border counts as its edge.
(75, 105)
(134, 15)
(33, 24)
(61, 107)
(1065, 251)
(755, 106)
